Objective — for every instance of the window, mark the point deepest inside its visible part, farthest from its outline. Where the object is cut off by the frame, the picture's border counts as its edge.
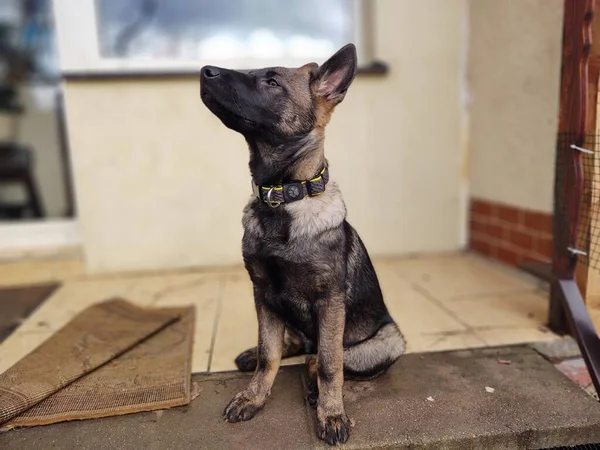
(27, 41)
(185, 34)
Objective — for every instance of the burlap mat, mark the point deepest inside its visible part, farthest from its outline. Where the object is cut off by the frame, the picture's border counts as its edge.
(68, 377)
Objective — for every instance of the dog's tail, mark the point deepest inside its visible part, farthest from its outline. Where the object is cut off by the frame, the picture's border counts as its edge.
(370, 358)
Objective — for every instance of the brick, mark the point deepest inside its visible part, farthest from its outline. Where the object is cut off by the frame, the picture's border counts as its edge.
(537, 221)
(508, 256)
(475, 226)
(536, 257)
(496, 230)
(543, 246)
(508, 214)
(479, 218)
(481, 207)
(522, 240)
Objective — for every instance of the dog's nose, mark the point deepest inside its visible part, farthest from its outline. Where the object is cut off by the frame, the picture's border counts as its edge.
(210, 72)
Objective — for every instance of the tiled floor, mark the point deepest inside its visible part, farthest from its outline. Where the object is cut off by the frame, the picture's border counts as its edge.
(440, 302)
(576, 370)
(40, 266)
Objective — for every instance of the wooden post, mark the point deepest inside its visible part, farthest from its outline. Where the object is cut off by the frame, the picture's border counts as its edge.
(577, 41)
(588, 275)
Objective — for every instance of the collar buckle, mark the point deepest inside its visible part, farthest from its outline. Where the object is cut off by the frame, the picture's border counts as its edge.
(269, 201)
(274, 196)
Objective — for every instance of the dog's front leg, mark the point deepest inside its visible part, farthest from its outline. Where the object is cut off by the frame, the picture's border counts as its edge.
(270, 343)
(333, 423)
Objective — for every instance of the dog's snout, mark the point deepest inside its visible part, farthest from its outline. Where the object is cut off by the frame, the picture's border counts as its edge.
(210, 72)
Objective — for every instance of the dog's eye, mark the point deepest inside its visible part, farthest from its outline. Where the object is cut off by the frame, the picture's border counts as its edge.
(272, 82)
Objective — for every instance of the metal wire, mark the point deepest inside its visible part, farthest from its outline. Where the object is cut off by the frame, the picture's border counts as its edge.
(586, 245)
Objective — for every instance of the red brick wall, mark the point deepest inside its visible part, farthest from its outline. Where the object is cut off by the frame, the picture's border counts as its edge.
(510, 234)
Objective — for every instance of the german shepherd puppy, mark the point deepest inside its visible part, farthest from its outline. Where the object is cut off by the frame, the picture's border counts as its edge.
(315, 288)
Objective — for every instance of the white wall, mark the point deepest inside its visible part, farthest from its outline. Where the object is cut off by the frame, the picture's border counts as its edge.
(514, 80)
(161, 183)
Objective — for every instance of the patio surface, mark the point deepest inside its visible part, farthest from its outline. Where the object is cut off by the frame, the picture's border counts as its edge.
(449, 400)
(442, 302)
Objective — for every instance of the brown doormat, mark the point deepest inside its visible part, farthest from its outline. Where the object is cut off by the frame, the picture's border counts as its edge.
(17, 303)
(114, 358)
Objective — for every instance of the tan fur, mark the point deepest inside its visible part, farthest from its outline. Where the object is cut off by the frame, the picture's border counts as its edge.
(304, 96)
(330, 370)
(313, 156)
(250, 222)
(296, 82)
(271, 330)
(324, 109)
(313, 215)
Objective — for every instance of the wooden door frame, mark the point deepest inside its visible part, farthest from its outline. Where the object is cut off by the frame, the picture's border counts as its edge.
(577, 112)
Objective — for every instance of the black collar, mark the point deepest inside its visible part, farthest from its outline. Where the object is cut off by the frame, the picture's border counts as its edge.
(275, 195)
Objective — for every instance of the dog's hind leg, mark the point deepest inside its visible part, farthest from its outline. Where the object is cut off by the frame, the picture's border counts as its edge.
(363, 361)
(370, 358)
(294, 344)
(312, 388)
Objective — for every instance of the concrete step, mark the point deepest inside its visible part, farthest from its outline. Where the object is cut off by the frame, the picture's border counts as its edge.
(503, 398)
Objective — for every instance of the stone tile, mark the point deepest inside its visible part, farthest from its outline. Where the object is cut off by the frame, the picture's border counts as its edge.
(46, 253)
(413, 312)
(511, 336)
(393, 411)
(435, 342)
(576, 370)
(75, 296)
(69, 300)
(19, 344)
(595, 316)
(283, 423)
(237, 329)
(204, 292)
(23, 272)
(526, 309)
(559, 348)
(438, 301)
(152, 291)
(460, 275)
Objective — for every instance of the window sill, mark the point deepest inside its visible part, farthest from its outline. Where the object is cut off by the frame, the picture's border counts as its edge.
(376, 68)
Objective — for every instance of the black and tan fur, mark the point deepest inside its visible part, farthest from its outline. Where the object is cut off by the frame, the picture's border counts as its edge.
(315, 288)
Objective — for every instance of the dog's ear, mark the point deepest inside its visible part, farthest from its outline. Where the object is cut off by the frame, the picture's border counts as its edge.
(333, 78)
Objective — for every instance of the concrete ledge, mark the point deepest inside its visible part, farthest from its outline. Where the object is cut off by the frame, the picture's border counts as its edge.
(532, 406)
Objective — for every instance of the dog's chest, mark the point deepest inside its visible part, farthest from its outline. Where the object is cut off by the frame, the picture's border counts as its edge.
(288, 288)
(290, 269)
(274, 235)
(296, 222)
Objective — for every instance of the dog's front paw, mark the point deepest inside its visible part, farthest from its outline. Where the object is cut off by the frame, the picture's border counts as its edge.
(246, 361)
(334, 429)
(243, 407)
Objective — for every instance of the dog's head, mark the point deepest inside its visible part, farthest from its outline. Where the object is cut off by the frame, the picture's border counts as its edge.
(278, 104)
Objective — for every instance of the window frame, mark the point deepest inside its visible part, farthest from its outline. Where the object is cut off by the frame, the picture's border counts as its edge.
(79, 52)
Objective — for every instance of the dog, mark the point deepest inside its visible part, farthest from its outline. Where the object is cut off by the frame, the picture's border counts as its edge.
(315, 288)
